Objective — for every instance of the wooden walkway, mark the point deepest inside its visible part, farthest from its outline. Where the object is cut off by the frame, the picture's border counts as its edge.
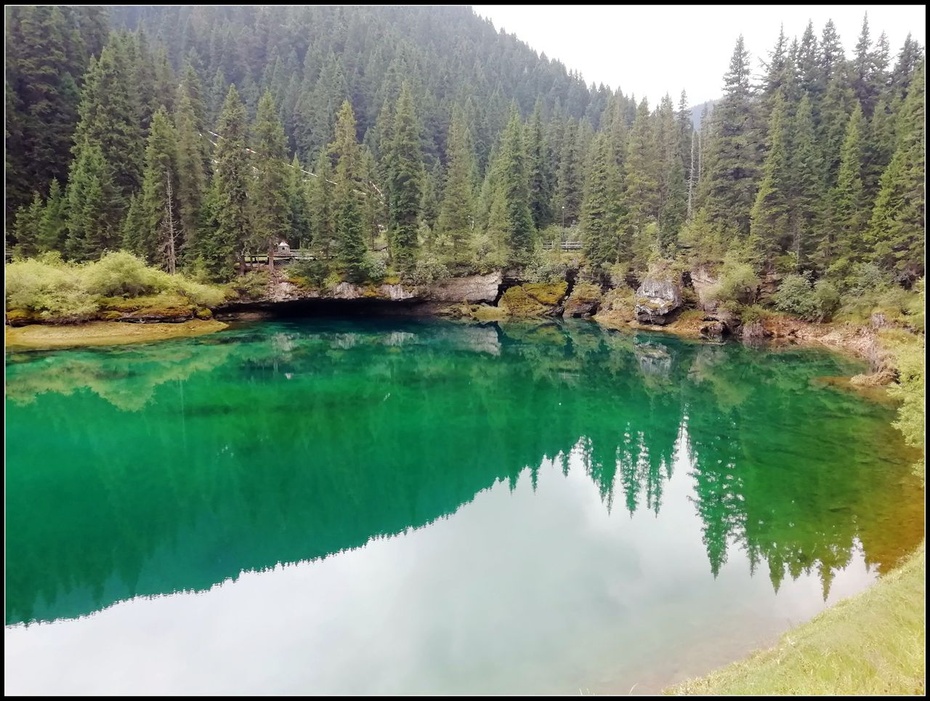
(279, 257)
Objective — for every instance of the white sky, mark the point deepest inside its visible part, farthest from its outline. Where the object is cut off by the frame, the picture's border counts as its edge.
(650, 50)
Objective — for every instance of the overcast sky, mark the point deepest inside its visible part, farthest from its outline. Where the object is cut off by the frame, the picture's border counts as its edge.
(650, 50)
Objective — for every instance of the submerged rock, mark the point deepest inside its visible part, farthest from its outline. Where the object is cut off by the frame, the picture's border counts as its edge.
(657, 298)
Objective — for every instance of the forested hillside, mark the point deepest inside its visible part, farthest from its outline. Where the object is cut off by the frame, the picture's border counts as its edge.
(420, 142)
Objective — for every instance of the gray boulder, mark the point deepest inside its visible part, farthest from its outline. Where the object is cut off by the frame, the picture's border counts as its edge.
(657, 298)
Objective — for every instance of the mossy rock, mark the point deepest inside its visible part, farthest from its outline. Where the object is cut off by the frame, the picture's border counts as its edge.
(516, 302)
(19, 317)
(549, 294)
(204, 314)
(110, 315)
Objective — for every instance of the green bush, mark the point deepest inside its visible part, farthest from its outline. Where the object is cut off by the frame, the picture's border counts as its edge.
(314, 271)
(429, 269)
(736, 286)
(122, 274)
(797, 296)
(252, 285)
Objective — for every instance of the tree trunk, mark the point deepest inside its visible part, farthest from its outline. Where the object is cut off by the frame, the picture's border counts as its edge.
(169, 218)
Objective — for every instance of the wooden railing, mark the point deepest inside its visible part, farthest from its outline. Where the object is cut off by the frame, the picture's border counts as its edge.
(564, 245)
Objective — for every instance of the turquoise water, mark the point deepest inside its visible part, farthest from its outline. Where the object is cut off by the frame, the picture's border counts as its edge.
(398, 506)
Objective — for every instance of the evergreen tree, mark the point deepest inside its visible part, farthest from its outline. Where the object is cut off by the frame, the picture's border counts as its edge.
(191, 175)
(641, 175)
(730, 169)
(570, 177)
(807, 184)
(897, 228)
(93, 206)
(771, 211)
(321, 193)
(539, 170)
(109, 120)
(53, 231)
(349, 224)
(510, 210)
(27, 227)
(159, 239)
(297, 190)
(230, 199)
(672, 189)
(405, 181)
(456, 213)
(848, 208)
(600, 211)
(270, 208)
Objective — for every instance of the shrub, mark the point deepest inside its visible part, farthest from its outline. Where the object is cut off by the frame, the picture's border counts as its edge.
(252, 285)
(797, 296)
(122, 274)
(314, 271)
(429, 269)
(737, 285)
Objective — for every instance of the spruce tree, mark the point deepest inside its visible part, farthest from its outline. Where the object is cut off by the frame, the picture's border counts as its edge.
(456, 212)
(321, 195)
(231, 180)
(897, 232)
(807, 184)
(600, 210)
(404, 182)
(192, 177)
(641, 175)
(347, 211)
(540, 174)
(93, 206)
(511, 204)
(731, 167)
(270, 208)
(848, 206)
(159, 242)
(54, 230)
(771, 211)
(27, 227)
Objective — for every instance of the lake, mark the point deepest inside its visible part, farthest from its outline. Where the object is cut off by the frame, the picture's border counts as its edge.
(402, 506)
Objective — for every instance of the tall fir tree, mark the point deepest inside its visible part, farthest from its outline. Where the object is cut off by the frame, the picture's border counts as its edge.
(731, 165)
(600, 209)
(772, 208)
(228, 242)
(192, 176)
(267, 192)
(897, 230)
(848, 207)
(93, 205)
(457, 209)
(159, 240)
(347, 210)
(405, 182)
(512, 220)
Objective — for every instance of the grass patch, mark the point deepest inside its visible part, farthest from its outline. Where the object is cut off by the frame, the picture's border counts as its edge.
(873, 643)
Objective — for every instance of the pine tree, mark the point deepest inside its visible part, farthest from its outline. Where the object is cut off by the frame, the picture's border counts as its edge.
(510, 212)
(771, 211)
(27, 227)
(672, 189)
(42, 99)
(93, 206)
(404, 182)
(159, 240)
(54, 230)
(641, 175)
(848, 207)
(109, 119)
(570, 176)
(270, 209)
(731, 167)
(897, 228)
(321, 193)
(349, 224)
(456, 212)
(298, 205)
(539, 170)
(600, 210)
(191, 174)
(807, 184)
(231, 180)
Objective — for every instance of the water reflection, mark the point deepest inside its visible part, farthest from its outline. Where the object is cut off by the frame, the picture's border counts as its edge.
(187, 463)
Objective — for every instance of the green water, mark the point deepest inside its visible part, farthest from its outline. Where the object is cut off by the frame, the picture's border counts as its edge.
(393, 506)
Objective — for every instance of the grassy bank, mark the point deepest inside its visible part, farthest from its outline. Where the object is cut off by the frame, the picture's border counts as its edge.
(873, 643)
(102, 333)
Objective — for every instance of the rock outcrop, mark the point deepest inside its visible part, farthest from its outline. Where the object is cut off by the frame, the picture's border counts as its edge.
(472, 289)
(583, 302)
(658, 298)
